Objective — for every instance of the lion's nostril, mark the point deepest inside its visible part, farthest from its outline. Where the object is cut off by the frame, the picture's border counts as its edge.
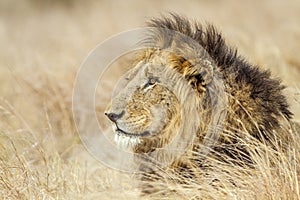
(114, 117)
(111, 116)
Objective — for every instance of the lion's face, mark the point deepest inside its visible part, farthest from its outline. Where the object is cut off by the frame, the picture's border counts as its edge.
(145, 109)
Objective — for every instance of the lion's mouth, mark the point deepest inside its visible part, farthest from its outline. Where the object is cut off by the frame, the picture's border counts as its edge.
(142, 134)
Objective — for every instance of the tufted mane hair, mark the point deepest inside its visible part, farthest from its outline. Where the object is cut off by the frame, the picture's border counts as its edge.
(268, 90)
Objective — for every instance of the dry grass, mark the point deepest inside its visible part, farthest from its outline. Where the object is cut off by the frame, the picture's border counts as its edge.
(42, 46)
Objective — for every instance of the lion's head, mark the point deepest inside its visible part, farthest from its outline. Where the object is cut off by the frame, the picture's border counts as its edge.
(147, 113)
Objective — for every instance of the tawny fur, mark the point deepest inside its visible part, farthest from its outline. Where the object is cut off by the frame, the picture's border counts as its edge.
(254, 101)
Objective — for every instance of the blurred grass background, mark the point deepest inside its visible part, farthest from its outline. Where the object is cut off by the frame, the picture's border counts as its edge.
(43, 43)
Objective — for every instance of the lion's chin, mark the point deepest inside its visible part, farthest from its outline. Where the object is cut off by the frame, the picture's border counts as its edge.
(126, 142)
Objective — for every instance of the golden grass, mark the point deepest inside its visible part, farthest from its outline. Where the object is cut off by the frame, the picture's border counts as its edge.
(42, 46)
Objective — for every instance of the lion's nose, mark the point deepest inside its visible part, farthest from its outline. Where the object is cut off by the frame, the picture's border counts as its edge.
(113, 116)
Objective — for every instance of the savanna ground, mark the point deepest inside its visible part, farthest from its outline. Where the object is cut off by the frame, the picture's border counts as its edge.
(43, 44)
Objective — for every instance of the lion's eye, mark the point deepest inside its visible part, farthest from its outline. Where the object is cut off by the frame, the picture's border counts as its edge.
(151, 81)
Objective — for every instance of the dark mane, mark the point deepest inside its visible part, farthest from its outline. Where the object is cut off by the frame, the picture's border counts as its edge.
(208, 37)
(264, 89)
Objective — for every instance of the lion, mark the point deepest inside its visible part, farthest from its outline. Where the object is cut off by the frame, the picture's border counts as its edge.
(177, 92)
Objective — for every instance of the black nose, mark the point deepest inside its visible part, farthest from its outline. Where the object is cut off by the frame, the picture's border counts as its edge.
(113, 116)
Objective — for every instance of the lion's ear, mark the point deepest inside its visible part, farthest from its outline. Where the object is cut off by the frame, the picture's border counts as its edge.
(193, 62)
(199, 74)
(197, 83)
